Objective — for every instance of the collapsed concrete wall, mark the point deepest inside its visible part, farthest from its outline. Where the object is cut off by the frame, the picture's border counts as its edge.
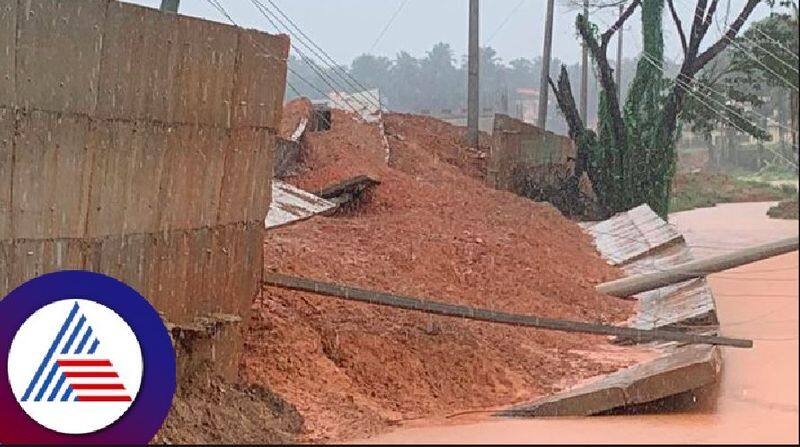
(137, 144)
(539, 165)
(521, 147)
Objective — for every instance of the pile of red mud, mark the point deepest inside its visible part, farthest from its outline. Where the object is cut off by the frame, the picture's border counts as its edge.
(430, 229)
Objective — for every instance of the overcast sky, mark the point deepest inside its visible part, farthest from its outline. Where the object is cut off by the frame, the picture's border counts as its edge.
(348, 28)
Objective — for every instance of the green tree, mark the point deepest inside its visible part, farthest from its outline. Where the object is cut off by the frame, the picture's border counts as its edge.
(631, 158)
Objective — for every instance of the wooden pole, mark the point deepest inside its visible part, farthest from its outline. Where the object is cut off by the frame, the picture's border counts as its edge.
(637, 284)
(472, 313)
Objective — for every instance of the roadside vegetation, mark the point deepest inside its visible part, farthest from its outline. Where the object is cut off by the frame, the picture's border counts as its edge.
(784, 210)
(703, 189)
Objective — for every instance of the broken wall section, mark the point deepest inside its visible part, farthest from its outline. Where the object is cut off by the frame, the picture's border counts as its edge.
(137, 144)
(535, 163)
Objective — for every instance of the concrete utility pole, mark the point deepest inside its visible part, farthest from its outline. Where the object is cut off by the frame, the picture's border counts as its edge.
(473, 89)
(585, 72)
(619, 56)
(544, 87)
(170, 5)
(695, 269)
(794, 99)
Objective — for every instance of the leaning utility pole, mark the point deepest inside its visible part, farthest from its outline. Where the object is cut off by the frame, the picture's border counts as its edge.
(548, 46)
(473, 90)
(585, 72)
(170, 5)
(794, 99)
(619, 55)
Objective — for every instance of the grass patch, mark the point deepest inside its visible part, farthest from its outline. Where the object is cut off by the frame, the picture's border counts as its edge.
(702, 189)
(772, 172)
(784, 210)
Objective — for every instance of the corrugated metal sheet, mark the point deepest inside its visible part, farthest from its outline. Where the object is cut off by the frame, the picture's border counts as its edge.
(290, 204)
(631, 234)
(645, 243)
(687, 305)
(301, 128)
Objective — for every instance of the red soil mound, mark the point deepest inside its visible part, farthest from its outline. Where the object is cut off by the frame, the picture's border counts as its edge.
(428, 231)
(444, 140)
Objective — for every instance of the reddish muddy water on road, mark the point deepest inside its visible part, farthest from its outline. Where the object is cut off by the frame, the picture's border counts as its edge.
(758, 399)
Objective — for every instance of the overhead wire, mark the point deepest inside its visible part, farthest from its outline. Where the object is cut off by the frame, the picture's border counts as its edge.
(734, 43)
(266, 52)
(326, 79)
(505, 21)
(326, 58)
(388, 25)
(699, 96)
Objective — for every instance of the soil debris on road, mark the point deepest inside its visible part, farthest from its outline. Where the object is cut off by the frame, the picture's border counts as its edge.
(430, 229)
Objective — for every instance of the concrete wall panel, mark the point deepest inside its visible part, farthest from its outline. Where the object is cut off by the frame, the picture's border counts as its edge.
(137, 74)
(58, 54)
(204, 72)
(28, 261)
(518, 146)
(31, 258)
(144, 174)
(8, 52)
(110, 144)
(199, 290)
(143, 150)
(63, 254)
(229, 266)
(262, 179)
(192, 177)
(7, 126)
(237, 183)
(6, 263)
(261, 80)
(51, 163)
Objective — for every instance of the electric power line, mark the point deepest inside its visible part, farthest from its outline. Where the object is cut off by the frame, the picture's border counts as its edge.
(698, 96)
(504, 22)
(216, 5)
(326, 79)
(331, 62)
(388, 25)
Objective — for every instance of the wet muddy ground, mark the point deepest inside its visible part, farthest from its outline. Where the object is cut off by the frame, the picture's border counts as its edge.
(758, 400)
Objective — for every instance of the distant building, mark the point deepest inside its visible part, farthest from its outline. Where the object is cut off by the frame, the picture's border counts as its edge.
(526, 106)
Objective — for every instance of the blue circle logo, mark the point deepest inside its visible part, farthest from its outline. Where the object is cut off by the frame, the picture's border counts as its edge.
(84, 359)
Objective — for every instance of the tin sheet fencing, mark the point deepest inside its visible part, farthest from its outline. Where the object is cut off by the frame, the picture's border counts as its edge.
(642, 242)
(629, 235)
(291, 204)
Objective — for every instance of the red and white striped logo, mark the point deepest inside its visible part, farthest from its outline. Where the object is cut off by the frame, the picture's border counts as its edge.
(93, 380)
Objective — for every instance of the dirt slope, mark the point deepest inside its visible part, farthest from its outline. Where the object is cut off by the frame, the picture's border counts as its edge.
(431, 229)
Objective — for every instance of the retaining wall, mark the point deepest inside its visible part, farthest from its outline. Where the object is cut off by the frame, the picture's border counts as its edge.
(137, 144)
(519, 147)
